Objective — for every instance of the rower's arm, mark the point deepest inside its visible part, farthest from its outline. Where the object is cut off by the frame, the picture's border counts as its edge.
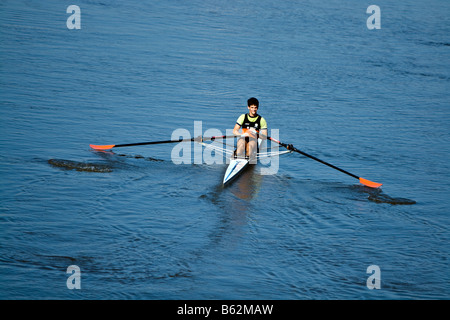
(263, 134)
(236, 130)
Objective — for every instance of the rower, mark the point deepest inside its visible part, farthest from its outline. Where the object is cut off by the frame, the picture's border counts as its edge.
(252, 124)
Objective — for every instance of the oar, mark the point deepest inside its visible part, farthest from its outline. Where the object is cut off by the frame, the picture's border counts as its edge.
(362, 180)
(199, 139)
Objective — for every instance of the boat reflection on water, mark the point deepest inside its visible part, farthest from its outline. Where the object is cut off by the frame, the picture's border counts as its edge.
(247, 185)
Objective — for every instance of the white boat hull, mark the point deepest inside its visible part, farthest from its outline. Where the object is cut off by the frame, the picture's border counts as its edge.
(235, 167)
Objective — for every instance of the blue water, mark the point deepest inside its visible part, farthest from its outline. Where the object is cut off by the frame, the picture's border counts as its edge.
(373, 102)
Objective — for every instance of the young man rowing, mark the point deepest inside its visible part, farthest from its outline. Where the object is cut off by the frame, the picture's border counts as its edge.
(252, 125)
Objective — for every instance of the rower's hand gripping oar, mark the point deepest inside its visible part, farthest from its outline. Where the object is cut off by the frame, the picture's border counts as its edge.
(198, 139)
(362, 180)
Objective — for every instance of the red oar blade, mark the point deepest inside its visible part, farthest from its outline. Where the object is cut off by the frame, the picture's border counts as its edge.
(370, 183)
(104, 147)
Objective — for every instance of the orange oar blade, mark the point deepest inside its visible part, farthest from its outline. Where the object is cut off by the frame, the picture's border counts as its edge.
(106, 147)
(370, 183)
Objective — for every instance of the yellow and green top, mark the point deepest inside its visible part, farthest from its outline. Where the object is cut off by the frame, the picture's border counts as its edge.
(246, 122)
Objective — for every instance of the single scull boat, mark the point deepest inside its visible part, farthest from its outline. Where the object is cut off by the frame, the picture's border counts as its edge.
(236, 166)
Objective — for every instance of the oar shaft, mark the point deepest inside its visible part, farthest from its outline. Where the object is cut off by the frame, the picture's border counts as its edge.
(199, 138)
(319, 160)
(150, 142)
(326, 163)
(291, 147)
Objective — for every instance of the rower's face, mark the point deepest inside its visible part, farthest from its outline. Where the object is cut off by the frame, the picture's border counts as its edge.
(252, 110)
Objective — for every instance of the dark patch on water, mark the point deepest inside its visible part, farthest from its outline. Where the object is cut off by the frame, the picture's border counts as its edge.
(435, 43)
(79, 166)
(384, 198)
(377, 195)
(108, 155)
(138, 156)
